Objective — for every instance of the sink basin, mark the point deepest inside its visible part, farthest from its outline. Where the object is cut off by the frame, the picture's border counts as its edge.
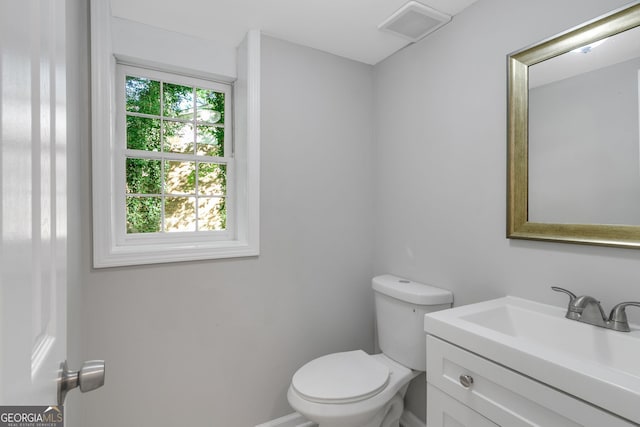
(615, 350)
(598, 365)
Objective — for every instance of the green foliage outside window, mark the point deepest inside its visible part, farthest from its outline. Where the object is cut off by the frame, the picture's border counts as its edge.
(177, 119)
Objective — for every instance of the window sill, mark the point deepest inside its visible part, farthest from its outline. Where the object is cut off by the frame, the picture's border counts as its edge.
(119, 256)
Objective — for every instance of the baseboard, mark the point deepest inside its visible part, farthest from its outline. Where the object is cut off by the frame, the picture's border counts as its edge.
(291, 420)
(409, 419)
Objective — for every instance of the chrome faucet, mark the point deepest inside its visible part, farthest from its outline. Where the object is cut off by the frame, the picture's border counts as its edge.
(587, 309)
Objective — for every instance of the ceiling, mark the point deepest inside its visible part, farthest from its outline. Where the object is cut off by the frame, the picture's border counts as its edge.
(346, 28)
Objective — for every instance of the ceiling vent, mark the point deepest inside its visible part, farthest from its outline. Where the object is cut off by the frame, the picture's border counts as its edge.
(414, 20)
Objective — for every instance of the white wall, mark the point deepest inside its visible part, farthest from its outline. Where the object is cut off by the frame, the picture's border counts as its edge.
(156, 45)
(216, 343)
(440, 162)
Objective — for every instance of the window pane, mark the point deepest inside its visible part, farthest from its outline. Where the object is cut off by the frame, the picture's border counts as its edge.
(178, 137)
(142, 95)
(143, 176)
(212, 179)
(144, 214)
(180, 214)
(212, 213)
(210, 105)
(179, 177)
(178, 101)
(143, 133)
(175, 180)
(210, 141)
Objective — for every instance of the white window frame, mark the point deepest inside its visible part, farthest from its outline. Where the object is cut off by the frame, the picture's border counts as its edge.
(111, 246)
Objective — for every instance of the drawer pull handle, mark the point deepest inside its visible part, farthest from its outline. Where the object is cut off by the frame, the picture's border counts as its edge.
(466, 381)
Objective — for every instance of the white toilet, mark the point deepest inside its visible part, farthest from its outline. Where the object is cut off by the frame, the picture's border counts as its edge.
(354, 389)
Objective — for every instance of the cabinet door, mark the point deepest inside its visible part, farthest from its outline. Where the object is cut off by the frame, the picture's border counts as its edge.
(505, 396)
(444, 411)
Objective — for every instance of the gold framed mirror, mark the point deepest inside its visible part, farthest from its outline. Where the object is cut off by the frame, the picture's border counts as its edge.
(565, 226)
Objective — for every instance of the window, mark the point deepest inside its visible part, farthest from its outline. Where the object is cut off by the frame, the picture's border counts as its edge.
(177, 155)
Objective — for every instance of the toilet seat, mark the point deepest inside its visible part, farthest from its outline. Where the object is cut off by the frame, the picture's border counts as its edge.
(345, 377)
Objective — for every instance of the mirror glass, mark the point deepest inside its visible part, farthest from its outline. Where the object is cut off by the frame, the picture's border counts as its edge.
(574, 135)
(584, 155)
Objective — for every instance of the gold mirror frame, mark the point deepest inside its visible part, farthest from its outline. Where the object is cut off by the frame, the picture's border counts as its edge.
(518, 225)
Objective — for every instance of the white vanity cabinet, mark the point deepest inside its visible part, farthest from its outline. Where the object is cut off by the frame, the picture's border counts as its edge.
(498, 396)
(443, 410)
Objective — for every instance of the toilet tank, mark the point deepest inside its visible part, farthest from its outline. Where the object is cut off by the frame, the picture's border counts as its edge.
(400, 308)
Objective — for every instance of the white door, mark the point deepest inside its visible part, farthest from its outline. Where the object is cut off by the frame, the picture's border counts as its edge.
(32, 200)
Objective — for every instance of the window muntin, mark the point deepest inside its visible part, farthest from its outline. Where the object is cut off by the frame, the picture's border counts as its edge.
(176, 156)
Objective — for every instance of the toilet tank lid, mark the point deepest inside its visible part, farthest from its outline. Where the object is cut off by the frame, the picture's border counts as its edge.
(411, 292)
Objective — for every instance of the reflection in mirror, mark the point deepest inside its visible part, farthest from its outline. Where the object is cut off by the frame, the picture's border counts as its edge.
(584, 158)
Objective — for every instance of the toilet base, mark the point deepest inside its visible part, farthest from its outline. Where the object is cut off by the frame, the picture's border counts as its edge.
(394, 412)
(389, 416)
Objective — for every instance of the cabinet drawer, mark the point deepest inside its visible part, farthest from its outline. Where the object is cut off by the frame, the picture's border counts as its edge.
(505, 396)
(445, 411)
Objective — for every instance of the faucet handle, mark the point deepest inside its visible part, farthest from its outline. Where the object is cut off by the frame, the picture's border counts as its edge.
(571, 313)
(572, 296)
(618, 316)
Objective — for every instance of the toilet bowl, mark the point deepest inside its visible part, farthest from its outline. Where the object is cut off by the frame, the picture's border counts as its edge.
(351, 389)
(355, 389)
